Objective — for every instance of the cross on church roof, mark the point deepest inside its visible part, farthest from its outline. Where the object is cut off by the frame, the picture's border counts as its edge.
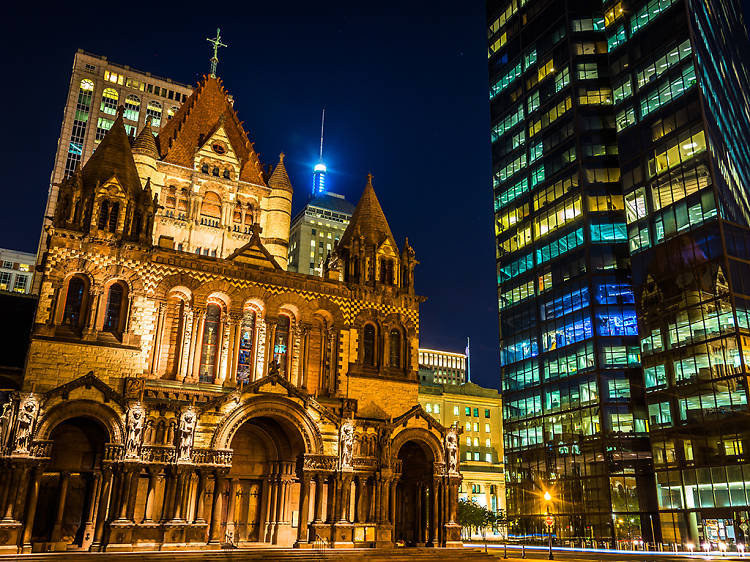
(216, 42)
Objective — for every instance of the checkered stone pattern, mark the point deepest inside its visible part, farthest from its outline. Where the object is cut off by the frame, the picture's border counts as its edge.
(152, 273)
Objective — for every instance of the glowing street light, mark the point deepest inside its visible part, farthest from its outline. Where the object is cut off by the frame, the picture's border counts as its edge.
(690, 546)
(550, 521)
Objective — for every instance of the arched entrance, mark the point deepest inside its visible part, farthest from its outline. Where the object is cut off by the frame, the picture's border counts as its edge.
(416, 500)
(261, 492)
(66, 508)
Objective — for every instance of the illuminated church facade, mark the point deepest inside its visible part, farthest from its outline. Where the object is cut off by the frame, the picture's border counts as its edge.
(183, 390)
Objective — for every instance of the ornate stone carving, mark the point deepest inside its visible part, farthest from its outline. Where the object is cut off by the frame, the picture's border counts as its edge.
(319, 462)
(134, 431)
(185, 435)
(451, 449)
(6, 425)
(346, 445)
(28, 412)
(273, 368)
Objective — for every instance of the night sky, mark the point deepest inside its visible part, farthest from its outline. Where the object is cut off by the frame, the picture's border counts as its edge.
(404, 85)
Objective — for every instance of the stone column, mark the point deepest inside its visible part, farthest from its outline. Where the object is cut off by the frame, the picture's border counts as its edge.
(260, 350)
(331, 501)
(392, 510)
(157, 339)
(195, 360)
(231, 503)
(305, 330)
(179, 488)
(357, 498)
(304, 508)
(235, 322)
(189, 320)
(372, 496)
(93, 500)
(28, 522)
(101, 511)
(319, 479)
(213, 533)
(200, 491)
(94, 299)
(223, 350)
(271, 336)
(12, 481)
(148, 512)
(134, 481)
(434, 512)
(60, 512)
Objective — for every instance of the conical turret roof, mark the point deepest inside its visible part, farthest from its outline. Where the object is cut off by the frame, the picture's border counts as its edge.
(113, 157)
(207, 109)
(368, 220)
(145, 142)
(279, 178)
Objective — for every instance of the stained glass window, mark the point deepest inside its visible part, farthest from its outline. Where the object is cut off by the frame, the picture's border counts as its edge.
(245, 358)
(281, 343)
(209, 351)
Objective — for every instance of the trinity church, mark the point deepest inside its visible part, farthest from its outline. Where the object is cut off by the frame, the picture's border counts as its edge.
(184, 391)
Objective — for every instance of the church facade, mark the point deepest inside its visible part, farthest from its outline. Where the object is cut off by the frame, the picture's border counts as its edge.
(183, 390)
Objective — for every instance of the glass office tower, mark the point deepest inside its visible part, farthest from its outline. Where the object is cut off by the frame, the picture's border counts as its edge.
(681, 112)
(574, 412)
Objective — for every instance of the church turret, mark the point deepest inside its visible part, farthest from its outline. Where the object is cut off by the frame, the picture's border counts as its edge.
(367, 252)
(145, 155)
(105, 199)
(278, 212)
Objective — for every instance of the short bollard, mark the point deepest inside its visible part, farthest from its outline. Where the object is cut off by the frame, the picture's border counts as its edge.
(523, 550)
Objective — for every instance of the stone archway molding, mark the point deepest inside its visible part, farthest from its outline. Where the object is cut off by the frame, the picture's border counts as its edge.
(69, 409)
(272, 407)
(425, 437)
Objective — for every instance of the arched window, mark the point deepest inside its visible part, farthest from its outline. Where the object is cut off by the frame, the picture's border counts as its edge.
(281, 343)
(247, 340)
(210, 347)
(394, 345)
(204, 169)
(227, 173)
(153, 109)
(132, 107)
(73, 312)
(172, 336)
(215, 171)
(109, 101)
(114, 313)
(103, 215)
(171, 111)
(114, 212)
(368, 342)
(211, 209)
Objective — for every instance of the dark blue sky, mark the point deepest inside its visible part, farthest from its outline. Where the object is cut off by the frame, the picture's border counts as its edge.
(404, 85)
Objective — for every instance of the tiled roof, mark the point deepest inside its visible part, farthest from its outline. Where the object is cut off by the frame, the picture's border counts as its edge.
(368, 220)
(279, 178)
(202, 113)
(113, 157)
(145, 142)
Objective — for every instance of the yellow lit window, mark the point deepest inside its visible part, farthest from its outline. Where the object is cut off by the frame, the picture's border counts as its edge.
(554, 192)
(545, 281)
(545, 70)
(508, 218)
(516, 241)
(114, 77)
(600, 96)
(600, 203)
(684, 149)
(560, 215)
(613, 14)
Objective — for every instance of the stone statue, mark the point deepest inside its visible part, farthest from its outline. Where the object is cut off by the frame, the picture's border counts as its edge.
(346, 443)
(6, 425)
(134, 437)
(451, 449)
(187, 428)
(384, 442)
(274, 367)
(27, 414)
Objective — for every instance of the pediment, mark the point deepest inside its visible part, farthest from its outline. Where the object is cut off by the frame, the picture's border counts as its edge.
(417, 417)
(254, 254)
(87, 381)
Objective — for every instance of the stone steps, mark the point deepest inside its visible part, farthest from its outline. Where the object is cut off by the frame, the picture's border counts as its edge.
(265, 555)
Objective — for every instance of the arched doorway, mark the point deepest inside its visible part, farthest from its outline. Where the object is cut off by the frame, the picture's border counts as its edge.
(261, 493)
(66, 507)
(415, 495)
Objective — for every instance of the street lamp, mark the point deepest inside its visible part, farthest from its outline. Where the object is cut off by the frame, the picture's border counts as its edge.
(549, 521)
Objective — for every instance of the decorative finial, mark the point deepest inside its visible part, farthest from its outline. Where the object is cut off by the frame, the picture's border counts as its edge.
(281, 158)
(216, 42)
(149, 120)
(369, 178)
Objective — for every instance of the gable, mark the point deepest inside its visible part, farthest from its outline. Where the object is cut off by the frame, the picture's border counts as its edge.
(206, 110)
(254, 253)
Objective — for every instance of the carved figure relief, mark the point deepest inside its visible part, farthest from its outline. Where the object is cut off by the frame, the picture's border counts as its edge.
(6, 425)
(346, 444)
(185, 435)
(451, 449)
(134, 437)
(28, 412)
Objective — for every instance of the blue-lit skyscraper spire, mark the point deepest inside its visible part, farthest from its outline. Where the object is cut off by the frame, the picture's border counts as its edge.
(319, 171)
